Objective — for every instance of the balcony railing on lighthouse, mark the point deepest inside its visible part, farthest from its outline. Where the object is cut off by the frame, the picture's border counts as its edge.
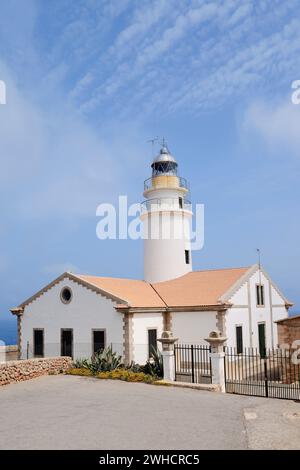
(165, 204)
(169, 181)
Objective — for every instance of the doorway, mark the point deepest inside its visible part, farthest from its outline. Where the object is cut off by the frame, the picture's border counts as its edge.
(38, 342)
(67, 342)
(152, 342)
(262, 339)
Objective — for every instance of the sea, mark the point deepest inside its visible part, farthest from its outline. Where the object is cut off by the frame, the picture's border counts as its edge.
(8, 331)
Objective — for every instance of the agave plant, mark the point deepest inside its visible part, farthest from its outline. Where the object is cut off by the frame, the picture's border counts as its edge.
(154, 365)
(82, 363)
(105, 361)
(133, 367)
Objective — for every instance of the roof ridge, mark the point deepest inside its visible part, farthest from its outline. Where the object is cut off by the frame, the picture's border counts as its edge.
(111, 277)
(218, 269)
(158, 294)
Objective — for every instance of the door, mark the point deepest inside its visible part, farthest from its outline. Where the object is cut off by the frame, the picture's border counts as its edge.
(262, 339)
(239, 339)
(98, 341)
(38, 343)
(67, 342)
(152, 342)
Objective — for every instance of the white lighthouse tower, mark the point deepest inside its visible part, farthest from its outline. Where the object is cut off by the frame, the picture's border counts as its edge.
(166, 215)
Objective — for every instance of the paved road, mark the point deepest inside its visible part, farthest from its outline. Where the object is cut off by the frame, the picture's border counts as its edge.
(65, 412)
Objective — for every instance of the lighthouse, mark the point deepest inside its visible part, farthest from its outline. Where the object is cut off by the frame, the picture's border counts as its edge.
(166, 215)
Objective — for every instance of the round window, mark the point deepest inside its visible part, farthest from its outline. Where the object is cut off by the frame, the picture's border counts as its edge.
(66, 295)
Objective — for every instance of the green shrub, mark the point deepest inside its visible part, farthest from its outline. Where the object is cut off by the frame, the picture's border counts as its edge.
(133, 367)
(154, 365)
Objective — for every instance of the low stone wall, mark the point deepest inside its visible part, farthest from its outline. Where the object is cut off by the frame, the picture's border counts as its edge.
(16, 371)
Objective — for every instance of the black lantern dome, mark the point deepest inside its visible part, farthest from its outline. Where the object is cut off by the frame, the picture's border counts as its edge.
(164, 163)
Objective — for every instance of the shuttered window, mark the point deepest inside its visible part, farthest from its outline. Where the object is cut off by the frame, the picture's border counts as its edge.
(260, 295)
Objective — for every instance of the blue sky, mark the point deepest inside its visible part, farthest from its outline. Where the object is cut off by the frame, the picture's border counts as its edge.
(89, 82)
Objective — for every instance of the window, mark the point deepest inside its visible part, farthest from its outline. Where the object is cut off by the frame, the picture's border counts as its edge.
(180, 203)
(239, 339)
(66, 342)
(187, 256)
(152, 342)
(66, 295)
(98, 341)
(38, 343)
(260, 295)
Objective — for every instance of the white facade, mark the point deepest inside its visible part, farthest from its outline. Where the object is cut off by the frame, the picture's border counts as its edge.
(86, 312)
(193, 327)
(89, 310)
(142, 322)
(247, 314)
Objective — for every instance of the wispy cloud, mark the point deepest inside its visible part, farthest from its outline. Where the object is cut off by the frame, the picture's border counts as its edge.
(126, 61)
(188, 55)
(276, 125)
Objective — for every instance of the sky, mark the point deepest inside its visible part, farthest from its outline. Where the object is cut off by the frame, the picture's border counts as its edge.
(89, 83)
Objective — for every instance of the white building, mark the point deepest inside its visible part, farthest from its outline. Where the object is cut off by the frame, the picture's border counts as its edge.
(79, 314)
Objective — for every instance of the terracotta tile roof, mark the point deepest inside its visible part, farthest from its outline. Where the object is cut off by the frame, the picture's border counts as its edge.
(135, 292)
(198, 288)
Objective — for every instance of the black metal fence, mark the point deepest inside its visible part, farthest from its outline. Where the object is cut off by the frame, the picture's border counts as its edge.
(192, 363)
(275, 374)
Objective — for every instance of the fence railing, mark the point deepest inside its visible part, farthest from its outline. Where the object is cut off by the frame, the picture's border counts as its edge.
(192, 363)
(274, 374)
(165, 203)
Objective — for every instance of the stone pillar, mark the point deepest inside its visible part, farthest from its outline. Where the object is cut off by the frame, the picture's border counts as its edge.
(19, 312)
(216, 342)
(168, 354)
(167, 320)
(19, 336)
(128, 337)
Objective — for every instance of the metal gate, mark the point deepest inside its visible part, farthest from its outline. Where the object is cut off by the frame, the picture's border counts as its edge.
(275, 374)
(192, 363)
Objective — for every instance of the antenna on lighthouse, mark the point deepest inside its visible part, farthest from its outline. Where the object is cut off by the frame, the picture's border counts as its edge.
(163, 143)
